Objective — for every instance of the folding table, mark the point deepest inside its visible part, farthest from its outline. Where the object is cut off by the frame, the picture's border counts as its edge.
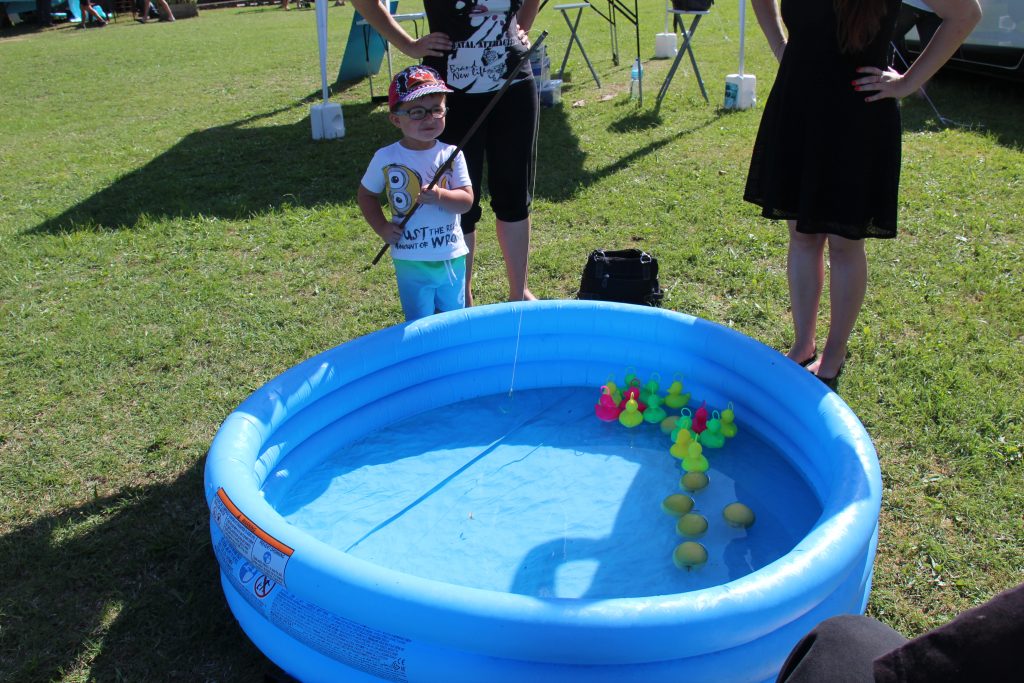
(679, 23)
(574, 36)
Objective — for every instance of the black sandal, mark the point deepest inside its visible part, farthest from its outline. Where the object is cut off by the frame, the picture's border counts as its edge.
(833, 382)
(810, 359)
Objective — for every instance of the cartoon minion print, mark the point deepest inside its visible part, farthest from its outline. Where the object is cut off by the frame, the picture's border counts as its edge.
(403, 184)
(403, 187)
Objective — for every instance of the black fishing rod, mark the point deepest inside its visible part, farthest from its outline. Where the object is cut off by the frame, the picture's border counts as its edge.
(465, 138)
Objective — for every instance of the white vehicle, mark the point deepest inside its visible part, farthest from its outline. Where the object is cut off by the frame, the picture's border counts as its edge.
(995, 46)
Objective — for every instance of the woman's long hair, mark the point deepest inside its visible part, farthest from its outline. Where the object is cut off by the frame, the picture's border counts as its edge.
(858, 22)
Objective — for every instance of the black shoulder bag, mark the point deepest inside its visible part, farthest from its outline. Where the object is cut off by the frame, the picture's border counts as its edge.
(627, 276)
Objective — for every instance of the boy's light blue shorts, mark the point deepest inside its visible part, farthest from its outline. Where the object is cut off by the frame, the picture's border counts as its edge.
(428, 287)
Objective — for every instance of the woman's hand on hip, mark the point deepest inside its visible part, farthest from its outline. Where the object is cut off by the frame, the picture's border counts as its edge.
(881, 84)
(431, 45)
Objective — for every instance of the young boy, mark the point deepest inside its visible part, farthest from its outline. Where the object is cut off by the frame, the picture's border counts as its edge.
(430, 254)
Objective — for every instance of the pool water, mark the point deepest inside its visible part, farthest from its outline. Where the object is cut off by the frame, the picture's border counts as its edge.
(532, 494)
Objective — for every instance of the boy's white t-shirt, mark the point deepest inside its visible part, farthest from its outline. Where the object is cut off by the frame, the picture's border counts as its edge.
(432, 234)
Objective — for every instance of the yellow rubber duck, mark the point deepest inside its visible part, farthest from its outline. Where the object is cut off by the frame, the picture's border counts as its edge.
(668, 425)
(613, 391)
(729, 427)
(631, 416)
(689, 555)
(680, 448)
(676, 398)
(683, 423)
(695, 460)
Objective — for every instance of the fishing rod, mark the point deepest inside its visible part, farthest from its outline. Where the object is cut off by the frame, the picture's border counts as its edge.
(465, 138)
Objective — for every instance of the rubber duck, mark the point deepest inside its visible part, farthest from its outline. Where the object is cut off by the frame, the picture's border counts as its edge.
(738, 515)
(668, 425)
(729, 428)
(676, 398)
(650, 389)
(692, 524)
(680, 449)
(683, 423)
(712, 437)
(631, 416)
(606, 408)
(689, 554)
(677, 504)
(654, 413)
(695, 460)
(700, 419)
(613, 389)
(694, 481)
(632, 394)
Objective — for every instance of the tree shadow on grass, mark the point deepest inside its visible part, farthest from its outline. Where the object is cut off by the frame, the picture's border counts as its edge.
(127, 584)
(235, 171)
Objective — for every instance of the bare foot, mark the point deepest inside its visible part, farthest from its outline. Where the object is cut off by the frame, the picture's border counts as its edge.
(527, 296)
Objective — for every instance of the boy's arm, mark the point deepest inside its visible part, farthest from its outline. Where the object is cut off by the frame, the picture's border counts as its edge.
(452, 200)
(369, 204)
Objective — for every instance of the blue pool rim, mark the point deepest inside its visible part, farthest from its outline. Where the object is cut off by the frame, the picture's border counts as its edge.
(337, 617)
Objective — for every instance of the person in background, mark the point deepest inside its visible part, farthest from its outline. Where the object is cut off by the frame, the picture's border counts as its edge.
(165, 15)
(43, 9)
(90, 16)
(475, 47)
(827, 155)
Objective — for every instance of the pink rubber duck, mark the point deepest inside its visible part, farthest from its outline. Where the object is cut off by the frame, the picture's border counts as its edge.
(606, 409)
(700, 419)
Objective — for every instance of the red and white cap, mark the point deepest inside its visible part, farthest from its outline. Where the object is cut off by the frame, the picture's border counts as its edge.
(412, 82)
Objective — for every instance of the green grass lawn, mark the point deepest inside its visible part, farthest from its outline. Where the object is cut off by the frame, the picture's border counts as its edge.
(171, 239)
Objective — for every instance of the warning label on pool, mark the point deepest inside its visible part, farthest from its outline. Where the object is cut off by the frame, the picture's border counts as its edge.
(356, 645)
(263, 550)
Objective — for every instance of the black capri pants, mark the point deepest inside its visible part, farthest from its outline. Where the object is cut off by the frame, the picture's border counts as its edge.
(506, 140)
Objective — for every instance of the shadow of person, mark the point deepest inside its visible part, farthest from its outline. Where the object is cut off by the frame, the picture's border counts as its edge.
(126, 587)
(242, 169)
(561, 169)
(234, 171)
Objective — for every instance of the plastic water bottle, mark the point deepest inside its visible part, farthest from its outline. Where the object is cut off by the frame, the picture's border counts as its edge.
(634, 80)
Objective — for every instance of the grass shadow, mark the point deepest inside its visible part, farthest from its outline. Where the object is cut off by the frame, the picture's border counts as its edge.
(158, 616)
(234, 171)
(969, 102)
(243, 169)
(562, 180)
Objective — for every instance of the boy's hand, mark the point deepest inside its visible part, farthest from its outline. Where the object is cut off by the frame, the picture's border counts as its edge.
(390, 233)
(429, 195)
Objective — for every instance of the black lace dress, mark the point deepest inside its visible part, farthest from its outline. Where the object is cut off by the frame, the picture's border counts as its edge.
(823, 156)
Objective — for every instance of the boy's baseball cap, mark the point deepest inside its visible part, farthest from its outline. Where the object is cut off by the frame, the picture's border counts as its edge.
(412, 82)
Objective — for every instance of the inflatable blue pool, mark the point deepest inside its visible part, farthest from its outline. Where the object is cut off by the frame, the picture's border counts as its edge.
(370, 607)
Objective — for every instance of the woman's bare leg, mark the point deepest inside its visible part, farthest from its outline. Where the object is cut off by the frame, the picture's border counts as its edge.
(805, 271)
(514, 239)
(848, 282)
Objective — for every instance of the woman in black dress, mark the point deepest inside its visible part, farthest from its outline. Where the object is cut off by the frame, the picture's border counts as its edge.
(827, 155)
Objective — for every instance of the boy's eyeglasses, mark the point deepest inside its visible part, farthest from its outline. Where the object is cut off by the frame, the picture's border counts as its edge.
(420, 113)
